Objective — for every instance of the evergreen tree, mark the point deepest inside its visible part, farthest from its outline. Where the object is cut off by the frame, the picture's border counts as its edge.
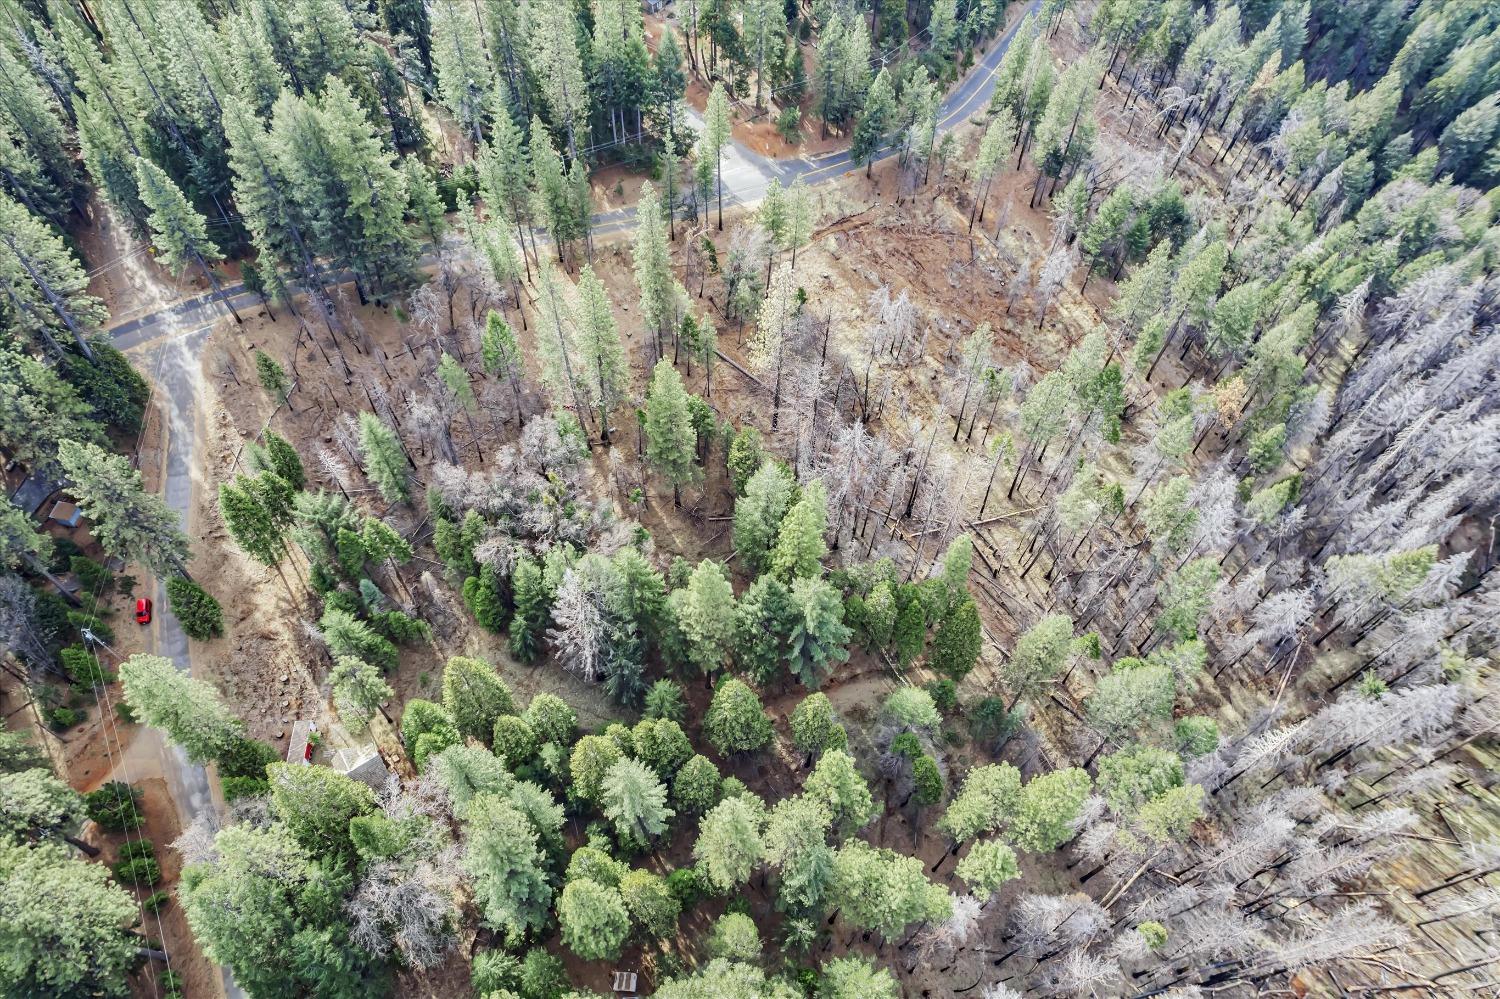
(729, 845)
(800, 547)
(650, 902)
(532, 603)
(759, 512)
(593, 919)
(764, 619)
(717, 124)
(959, 639)
(316, 805)
(671, 442)
(127, 520)
(1039, 654)
(502, 852)
(987, 866)
(189, 711)
(502, 357)
(819, 638)
(815, 727)
(178, 233)
(635, 800)
(653, 266)
(45, 291)
(383, 458)
(986, 803)
(836, 784)
(358, 690)
(735, 721)
(705, 613)
(64, 923)
(1049, 804)
(879, 112)
(600, 354)
(884, 891)
(475, 696)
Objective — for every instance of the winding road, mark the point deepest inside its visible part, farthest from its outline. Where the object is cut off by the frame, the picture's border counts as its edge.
(173, 336)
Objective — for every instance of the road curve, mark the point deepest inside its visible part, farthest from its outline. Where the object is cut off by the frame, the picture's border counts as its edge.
(756, 173)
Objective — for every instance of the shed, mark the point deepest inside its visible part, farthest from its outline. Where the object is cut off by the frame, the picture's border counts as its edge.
(65, 513)
(625, 981)
(364, 765)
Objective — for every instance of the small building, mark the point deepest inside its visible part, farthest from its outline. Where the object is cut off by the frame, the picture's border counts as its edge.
(66, 514)
(624, 983)
(364, 765)
(33, 493)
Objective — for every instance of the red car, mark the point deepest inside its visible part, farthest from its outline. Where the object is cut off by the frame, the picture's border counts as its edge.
(143, 610)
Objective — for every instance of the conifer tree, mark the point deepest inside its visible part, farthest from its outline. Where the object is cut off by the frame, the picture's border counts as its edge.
(502, 357)
(600, 354)
(870, 132)
(800, 547)
(815, 727)
(502, 852)
(819, 638)
(532, 602)
(461, 63)
(838, 786)
(127, 520)
(653, 266)
(45, 290)
(358, 689)
(189, 711)
(959, 638)
(635, 800)
(671, 442)
(1039, 654)
(704, 612)
(475, 696)
(759, 512)
(717, 123)
(883, 890)
(729, 845)
(383, 458)
(253, 524)
(764, 620)
(735, 721)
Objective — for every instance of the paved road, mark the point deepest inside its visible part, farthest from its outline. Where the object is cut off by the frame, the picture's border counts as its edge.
(175, 361)
(747, 174)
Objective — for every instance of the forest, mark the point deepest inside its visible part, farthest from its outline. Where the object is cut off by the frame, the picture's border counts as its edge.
(497, 503)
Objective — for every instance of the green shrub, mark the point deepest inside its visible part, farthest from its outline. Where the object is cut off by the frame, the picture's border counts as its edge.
(83, 667)
(140, 871)
(137, 848)
(197, 611)
(236, 788)
(81, 620)
(125, 711)
(157, 901)
(93, 577)
(113, 806)
(63, 717)
(247, 758)
(686, 886)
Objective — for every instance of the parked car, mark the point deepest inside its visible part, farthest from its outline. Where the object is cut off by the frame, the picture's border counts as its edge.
(143, 610)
